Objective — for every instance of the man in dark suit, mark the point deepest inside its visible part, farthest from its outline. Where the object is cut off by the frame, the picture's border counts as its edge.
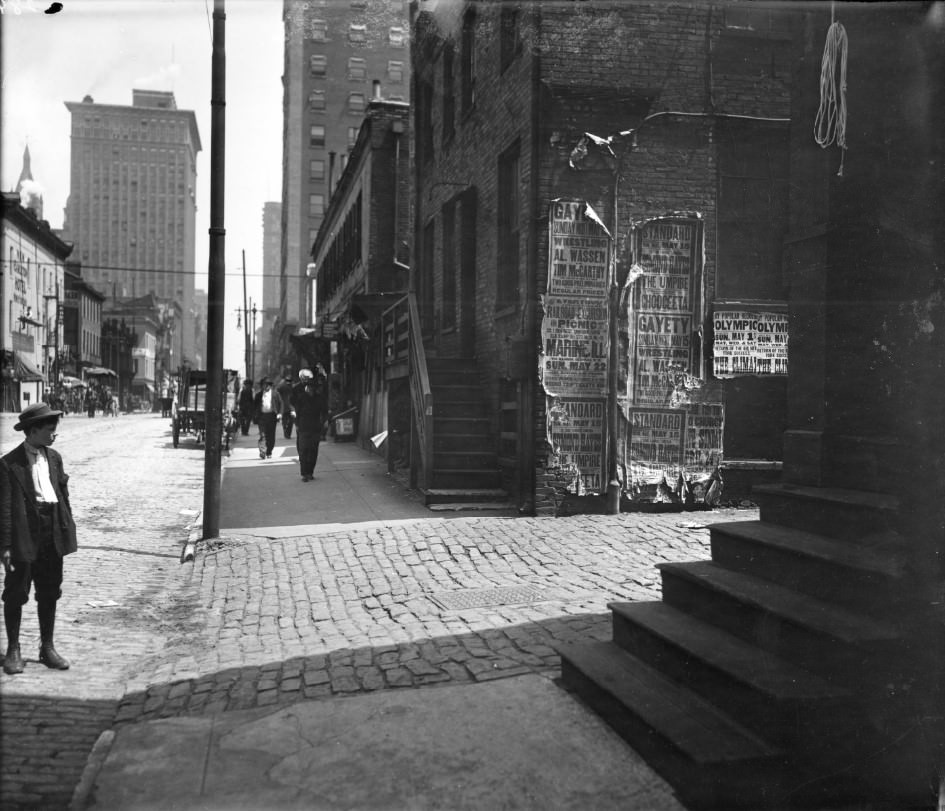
(246, 406)
(36, 532)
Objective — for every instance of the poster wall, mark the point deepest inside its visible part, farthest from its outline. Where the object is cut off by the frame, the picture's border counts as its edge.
(575, 337)
(673, 453)
(576, 433)
(665, 307)
(749, 341)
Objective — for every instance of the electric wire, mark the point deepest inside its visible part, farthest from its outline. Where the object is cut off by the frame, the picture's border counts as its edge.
(830, 124)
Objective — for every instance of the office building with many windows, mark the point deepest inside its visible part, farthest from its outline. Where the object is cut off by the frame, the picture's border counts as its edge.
(335, 50)
(131, 211)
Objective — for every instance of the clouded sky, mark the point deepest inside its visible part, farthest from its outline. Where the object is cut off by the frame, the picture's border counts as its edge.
(105, 48)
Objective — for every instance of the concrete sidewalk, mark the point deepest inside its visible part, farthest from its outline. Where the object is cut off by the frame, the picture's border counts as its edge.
(514, 742)
(267, 498)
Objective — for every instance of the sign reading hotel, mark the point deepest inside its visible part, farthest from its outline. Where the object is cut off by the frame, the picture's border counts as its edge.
(576, 434)
(575, 327)
(749, 341)
(665, 305)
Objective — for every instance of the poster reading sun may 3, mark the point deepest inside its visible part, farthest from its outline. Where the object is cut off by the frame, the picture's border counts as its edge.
(749, 342)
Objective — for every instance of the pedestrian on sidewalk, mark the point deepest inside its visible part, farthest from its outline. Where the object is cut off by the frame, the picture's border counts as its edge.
(285, 393)
(267, 411)
(310, 403)
(246, 406)
(36, 532)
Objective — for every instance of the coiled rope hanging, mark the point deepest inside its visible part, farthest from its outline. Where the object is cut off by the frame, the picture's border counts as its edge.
(830, 125)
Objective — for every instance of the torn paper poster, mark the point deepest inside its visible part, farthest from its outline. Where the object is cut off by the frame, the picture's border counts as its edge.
(575, 431)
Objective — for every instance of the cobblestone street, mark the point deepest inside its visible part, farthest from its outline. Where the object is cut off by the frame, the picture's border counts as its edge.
(258, 621)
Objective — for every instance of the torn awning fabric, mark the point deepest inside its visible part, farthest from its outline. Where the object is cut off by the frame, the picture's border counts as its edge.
(24, 371)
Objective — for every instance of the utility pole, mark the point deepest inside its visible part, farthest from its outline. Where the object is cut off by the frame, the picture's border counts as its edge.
(246, 366)
(216, 281)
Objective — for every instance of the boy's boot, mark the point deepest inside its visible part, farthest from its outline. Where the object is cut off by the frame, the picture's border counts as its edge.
(12, 662)
(47, 623)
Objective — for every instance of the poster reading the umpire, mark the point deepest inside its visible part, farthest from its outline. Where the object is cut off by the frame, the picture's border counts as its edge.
(666, 307)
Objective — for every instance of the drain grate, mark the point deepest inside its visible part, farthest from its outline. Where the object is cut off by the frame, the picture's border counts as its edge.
(483, 598)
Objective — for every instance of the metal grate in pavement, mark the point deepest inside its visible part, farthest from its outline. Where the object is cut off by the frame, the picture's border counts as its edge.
(483, 598)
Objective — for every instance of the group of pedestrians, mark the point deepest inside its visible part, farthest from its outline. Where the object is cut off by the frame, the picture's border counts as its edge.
(302, 405)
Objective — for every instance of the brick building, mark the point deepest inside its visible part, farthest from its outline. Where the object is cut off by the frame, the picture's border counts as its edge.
(665, 130)
(359, 260)
(333, 53)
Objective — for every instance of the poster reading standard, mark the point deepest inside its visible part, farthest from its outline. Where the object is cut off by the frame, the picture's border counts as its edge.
(575, 338)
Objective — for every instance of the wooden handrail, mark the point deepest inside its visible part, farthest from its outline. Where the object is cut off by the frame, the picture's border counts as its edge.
(421, 393)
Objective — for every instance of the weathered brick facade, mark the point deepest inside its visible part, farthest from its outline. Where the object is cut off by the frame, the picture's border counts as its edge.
(681, 77)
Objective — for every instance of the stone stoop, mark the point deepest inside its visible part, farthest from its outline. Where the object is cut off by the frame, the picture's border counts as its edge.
(758, 681)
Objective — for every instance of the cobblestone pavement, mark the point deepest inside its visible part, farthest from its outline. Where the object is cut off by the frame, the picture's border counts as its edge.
(367, 609)
(131, 493)
(257, 622)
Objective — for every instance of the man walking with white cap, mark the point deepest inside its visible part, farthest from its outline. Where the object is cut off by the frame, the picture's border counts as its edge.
(310, 402)
(36, 532)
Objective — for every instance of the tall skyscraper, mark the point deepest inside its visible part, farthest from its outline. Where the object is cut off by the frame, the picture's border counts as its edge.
(131, 211)
(271, 286)
(334, 51)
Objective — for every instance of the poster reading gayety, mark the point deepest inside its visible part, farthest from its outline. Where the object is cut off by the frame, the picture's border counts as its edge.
(574, 329)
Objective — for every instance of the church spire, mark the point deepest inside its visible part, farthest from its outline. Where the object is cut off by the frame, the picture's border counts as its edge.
(26, 173)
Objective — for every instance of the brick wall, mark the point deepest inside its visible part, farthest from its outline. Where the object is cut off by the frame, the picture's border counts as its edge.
(602, 67)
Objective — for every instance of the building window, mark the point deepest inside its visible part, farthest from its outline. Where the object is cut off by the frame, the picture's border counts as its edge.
(316, 169)
(352, 136)
(356, 102)
(359, 4)
(509, 216)
(357, 69)
(449, 266)
(318, 64)
(469, 61)
(317, 135)
(449, 99)
(424, 118)
(510, 42)
(357, 34)
(319, 29)
(396, 36)
(316, 100)
(395, 71)
(316, 205)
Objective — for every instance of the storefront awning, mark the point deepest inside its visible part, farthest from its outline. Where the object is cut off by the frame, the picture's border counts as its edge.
(24, 371)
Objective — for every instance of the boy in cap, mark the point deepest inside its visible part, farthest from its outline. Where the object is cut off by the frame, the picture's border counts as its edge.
(36, 532)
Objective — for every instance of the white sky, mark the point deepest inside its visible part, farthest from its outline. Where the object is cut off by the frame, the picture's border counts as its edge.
(105, 48)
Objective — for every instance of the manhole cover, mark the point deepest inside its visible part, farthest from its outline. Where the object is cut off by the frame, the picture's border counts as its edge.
(481, 598)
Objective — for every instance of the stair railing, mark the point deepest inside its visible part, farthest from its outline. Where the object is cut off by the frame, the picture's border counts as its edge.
(421, 393)
(403, 340)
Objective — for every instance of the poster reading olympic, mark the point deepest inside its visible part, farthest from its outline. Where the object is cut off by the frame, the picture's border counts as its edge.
(749, 341)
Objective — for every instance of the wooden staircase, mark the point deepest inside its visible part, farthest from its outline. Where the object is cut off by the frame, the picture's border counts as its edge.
(767, 677)
(465, 470)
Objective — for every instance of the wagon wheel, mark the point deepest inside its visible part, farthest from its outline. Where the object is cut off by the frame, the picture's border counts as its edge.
(175, 431)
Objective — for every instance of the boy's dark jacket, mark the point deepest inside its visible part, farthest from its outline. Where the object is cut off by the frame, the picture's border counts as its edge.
(19, 513)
